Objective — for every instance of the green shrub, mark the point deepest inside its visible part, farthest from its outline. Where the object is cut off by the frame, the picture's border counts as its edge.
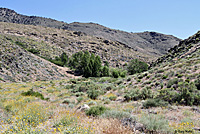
(34, 51)
(155, 123)
(136, 66)
(160, 71)
(172, 82)
(133, 94)
(189, 94)
(146, 93)
(79, 99)
(66, 101)
(33, 93)
(93, 94)
(197, 83)
(168, 94)
(115, 73)
(96, 111)
(112, 98)
(164, 76)
(155, 103)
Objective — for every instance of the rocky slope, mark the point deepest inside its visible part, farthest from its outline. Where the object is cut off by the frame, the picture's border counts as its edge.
(151, 43)
(51, 42)
(181, 64)
(17, 64)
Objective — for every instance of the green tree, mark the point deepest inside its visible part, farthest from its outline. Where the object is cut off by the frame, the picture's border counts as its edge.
(96, 67)
(105, 71)
(136, 66)
(64, 59)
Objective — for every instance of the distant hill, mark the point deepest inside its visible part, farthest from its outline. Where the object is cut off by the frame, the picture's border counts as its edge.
(151, 43)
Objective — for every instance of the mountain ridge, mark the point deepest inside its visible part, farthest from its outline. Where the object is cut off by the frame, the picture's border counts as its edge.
(141, 42)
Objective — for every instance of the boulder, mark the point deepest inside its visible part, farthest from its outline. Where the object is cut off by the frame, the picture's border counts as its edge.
(83, 108)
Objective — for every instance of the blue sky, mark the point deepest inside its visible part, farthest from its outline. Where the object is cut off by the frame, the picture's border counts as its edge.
(176, 17)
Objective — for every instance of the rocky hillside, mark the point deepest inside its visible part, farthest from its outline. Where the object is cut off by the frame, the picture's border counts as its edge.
(51, 42)
(17, 64)
(170, 72)
(151, 43)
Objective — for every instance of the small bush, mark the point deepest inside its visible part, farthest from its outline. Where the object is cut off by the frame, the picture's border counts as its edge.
(112, 98)
(133, 94)
(172, 82)
(34, 51)
(164, 76)
(67, 101)
(155, 103)
(33, 93)
(154, 123)
(96, 111)
(93, 94)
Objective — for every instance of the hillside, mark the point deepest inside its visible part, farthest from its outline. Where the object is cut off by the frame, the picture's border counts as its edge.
(51, 42)
(151, 43)
(17, 64)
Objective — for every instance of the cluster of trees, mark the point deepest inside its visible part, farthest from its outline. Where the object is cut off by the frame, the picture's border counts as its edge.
(90, 65)
(85, 63)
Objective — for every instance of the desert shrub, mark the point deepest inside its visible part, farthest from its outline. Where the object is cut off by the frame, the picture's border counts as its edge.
(154, 123)
(34, 51)
(112, 98)
(172, 82)
(189, 94)
(146, 93)
(93, 94)
(160, 71)
(96, 111)
(167, 94)
(33, 93)
(129, 79)
(197, 83)
(115, 114)
(155, 103)
(23, 45)
(79, 99)
(136, 66)
(133, 94)
(164, 76)
(77, 94)
(66, 101)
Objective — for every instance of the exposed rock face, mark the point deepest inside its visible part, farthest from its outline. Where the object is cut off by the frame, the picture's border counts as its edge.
(152, 43)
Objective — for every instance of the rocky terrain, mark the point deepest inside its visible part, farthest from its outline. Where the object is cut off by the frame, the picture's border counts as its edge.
(151, 43)
(17, 64)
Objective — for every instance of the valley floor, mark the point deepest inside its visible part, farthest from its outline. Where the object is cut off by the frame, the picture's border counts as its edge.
(53, 108)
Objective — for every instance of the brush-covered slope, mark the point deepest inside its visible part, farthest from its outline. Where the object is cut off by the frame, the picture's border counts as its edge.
(51, 42)
(17, 64)
(151, 43)
(175, 76)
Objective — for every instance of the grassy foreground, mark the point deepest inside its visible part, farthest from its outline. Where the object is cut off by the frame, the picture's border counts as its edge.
(56, 111)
